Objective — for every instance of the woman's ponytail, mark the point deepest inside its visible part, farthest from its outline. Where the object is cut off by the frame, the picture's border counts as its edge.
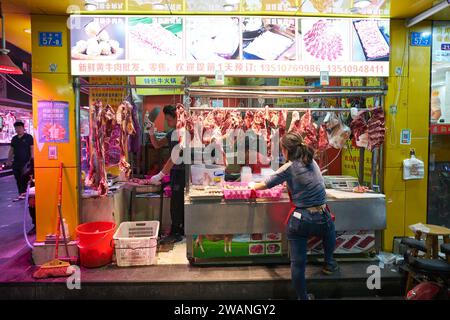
(297, 150)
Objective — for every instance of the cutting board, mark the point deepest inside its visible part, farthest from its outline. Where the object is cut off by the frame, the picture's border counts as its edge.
(338, 194)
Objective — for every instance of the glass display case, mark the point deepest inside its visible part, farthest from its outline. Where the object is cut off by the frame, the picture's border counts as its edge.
(439, 162)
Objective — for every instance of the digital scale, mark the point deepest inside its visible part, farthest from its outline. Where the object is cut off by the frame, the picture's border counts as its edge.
(340, 182)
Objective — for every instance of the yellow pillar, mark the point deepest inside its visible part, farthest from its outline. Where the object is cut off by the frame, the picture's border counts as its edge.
(52, 81)
(406, 200)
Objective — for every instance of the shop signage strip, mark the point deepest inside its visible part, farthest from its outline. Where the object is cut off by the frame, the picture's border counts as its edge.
(234, 46)
(230, 68)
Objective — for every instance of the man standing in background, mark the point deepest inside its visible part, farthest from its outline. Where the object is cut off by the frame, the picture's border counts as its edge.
(21, 157)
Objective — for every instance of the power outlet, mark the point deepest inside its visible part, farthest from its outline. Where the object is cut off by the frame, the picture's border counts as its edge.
(393, 109)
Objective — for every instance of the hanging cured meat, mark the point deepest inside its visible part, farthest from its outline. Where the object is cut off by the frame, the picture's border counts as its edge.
(323, 42)
(376, 125)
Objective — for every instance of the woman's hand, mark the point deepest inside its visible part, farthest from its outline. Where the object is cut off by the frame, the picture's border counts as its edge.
(257, 186)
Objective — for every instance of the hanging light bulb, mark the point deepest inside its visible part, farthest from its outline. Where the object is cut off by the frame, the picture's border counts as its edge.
(90, 6)
(6, 64)
(361, 4)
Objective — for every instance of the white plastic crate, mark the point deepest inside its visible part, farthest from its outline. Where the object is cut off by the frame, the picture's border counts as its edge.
(136, 242)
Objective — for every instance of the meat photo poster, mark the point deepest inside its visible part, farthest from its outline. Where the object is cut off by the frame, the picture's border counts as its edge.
(370, 40)
(156, 38)
(269, 39)
(326, 40)
(212, 39)
(98, 38)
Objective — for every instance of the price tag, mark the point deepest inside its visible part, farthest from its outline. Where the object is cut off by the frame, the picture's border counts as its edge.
(324, 78)
(220, 78)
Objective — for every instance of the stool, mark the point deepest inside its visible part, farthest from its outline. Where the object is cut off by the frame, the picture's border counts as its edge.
(430, 247)
(432, 241)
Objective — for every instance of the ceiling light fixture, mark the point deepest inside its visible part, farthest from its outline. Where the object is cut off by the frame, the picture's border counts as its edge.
(427, 13)
(6, 64)
(233, 2)
(90, 6)
(159, 6)
(361, 4)
(228, 7)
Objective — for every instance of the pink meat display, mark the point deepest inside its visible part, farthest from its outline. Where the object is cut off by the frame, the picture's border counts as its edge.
(273, 248)
(373, 42)
(376, 125)
(323, 42)
(256, 249)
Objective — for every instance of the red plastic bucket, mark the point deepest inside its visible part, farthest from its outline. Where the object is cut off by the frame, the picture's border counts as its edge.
(94, 242)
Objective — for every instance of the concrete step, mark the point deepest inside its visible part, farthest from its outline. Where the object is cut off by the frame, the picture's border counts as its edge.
(188, 282)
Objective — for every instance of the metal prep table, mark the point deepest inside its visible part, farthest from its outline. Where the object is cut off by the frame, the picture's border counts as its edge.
(123, 204)
(353, 211)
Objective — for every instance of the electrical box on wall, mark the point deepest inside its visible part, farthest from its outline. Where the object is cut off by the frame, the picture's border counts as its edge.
(52, 153)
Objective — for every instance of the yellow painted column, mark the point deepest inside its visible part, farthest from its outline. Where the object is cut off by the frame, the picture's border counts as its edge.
(52, 81)
(406, 200)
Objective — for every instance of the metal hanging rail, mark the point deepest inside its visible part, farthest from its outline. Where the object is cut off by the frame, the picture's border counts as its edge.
(274, 88)
(274, 94)
(280, 109)
(126, 86)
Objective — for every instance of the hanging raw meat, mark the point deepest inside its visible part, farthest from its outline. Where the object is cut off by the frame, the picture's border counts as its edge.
(323, 138)
(248, 120)
(184, 125)
(376, 125)
(360, 130)
(282, 122)
(108, 138)
(309, 130)
(323, 42)
(295, 122)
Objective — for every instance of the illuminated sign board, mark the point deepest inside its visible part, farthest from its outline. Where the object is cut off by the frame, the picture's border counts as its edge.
(234, 46)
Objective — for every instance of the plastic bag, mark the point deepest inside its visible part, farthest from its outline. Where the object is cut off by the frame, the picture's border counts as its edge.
(339, 136)
(331, 120)
(413, 169)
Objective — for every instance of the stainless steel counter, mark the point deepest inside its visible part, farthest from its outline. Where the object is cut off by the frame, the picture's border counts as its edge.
(353, 212)
(125, 205)
(234, 217)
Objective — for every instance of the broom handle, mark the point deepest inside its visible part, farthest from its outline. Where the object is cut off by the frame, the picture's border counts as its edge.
(61, 221)
(59, 211)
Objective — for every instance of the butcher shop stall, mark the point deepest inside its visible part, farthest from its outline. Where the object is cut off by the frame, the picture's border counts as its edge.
(324, 78)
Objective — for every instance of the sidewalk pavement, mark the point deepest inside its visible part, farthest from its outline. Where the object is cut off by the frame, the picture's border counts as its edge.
(12, 241)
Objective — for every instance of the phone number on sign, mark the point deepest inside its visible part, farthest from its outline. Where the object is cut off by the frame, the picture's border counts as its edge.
(378, 69)
(316, 68)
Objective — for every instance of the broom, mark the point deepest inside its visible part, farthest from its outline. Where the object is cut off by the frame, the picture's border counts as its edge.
(57, 267)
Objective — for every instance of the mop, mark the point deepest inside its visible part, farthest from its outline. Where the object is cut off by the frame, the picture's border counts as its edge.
(57, 267)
